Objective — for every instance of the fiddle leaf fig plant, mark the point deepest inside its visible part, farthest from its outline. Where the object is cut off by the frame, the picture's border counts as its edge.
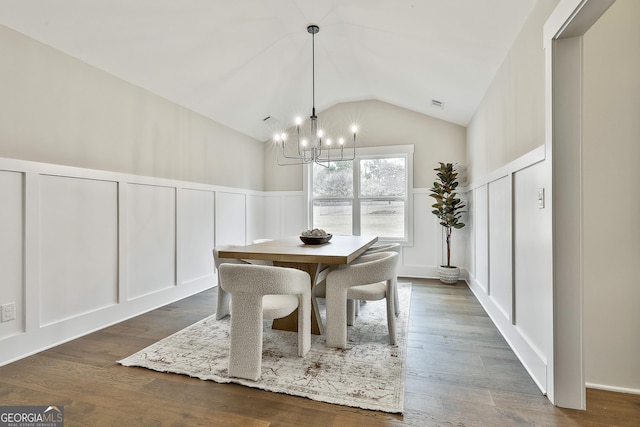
(448, 206)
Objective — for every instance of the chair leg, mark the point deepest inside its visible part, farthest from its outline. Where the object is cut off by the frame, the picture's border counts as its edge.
(224, 298)
(336, 331)
(304, 325)
(391, 315)
(396, 304)
(245, 352)
(316, 310)
(351, 311)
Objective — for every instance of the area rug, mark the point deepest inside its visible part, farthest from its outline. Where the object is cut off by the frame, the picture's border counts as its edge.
(368, 374)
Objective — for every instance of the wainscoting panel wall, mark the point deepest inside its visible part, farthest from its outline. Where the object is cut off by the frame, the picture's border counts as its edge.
(230, 218)
(151, 239)
(422, 259)
(273, 222)
(480, 215)
(500, 257)
(255, 223)
(12, 248)
(294, 221)
(78, 246)
(196, 235)
(469, 233)
(83, 249)
(533, 285)
(512, 274)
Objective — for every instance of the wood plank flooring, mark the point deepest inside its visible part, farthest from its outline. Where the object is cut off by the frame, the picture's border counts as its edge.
(460, 372)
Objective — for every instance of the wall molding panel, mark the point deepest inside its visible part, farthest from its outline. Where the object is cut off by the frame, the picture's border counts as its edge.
(510, 258)
(150, 239)
(83, 249)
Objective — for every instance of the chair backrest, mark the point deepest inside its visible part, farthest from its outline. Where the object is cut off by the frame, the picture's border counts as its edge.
(217, 260)
(371, 268)
(384, 247)
(264, 280)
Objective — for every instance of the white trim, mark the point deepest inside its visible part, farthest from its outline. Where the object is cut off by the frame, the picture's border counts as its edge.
(533, 362)
(37, 336)
(31, 250)
(532, 358)
(385, 150)
(405, 151)
(530, 158)
(613, 388)
(562, 34)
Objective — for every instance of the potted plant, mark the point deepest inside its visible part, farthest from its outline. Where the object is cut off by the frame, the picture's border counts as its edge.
(448, 208)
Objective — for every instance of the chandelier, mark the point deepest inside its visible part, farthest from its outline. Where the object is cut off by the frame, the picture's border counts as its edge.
(311, 148)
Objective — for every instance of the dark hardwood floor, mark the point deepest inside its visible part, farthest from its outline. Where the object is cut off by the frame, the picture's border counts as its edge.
(460, 372)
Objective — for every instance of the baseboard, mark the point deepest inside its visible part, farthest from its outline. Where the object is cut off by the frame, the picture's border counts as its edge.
(425, 272)
(25, 344)
(613, 388)
(533, 362)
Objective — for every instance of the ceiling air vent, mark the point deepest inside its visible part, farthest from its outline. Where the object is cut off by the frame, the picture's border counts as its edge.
(437, 104)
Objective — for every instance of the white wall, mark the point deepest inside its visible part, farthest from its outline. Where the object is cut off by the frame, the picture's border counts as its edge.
(611, 204)
(510, 258)
(57, 109)
(510, 240)
(506, 124)
(113, 197)
(381, 124)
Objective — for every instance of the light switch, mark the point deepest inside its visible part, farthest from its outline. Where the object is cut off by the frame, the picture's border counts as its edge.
(540, 198)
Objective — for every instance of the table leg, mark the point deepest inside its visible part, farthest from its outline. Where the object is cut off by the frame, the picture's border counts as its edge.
(290, 323)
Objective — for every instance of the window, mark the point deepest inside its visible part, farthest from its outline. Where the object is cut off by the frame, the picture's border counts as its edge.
(368, 195)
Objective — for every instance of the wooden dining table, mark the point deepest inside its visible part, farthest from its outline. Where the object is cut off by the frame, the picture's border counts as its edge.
(314, 259)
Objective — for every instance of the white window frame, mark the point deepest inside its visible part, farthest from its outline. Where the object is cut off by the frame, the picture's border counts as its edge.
(364, 153)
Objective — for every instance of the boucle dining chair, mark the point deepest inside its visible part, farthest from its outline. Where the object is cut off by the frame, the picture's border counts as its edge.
(369, 280)
(222, 305)
(262, 292)
(389, 247)
(353, 306)
(320, 291)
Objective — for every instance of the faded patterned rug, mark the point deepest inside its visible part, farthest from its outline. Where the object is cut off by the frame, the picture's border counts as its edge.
(368, 374)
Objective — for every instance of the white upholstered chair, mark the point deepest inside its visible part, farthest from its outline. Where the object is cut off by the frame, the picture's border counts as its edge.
(222, 306)
(353, 306)
(389, 247)
(262, 292)
(320, 291)
(370, 279)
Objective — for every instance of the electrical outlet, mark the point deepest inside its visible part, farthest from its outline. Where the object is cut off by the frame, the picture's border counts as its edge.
(8, 311)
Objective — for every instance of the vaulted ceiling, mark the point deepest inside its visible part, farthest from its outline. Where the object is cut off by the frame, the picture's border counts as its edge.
(241, 61)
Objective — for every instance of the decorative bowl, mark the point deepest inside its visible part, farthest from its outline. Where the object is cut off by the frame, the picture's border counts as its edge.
(315, 240)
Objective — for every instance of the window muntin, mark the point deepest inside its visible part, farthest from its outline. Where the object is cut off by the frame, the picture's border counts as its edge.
(368, 195)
